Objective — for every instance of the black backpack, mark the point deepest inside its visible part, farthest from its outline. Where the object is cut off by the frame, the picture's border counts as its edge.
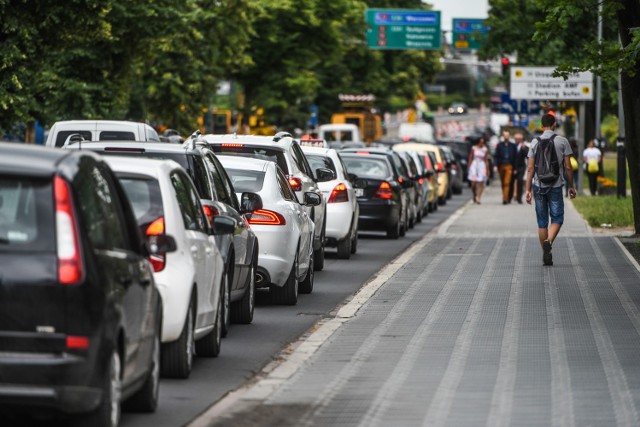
(547, 164)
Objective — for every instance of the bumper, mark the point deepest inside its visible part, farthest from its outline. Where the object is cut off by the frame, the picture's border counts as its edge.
(443, 184)
(277, 251)
(339, 216)
(378, 215)
(174, 285)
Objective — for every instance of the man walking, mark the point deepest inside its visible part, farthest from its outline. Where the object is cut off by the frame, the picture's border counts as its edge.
(505, 158)
(520, 174)
(548, 194)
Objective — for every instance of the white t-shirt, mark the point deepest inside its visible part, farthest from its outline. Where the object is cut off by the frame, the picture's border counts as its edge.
(591, 153)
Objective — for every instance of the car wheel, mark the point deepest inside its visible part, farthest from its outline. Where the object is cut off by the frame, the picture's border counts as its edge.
(146, 399)
(306, 286)
(242, 311)
(108, 412)
(210, 344)
(177, 356)
(354, 242)
(344, 248)
(393, 232)
(288, 294)
(419, 216)
(226, 300)
(442, 200)
(318, 255)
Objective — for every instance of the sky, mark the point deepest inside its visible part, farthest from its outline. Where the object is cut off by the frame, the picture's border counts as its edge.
(459, 9)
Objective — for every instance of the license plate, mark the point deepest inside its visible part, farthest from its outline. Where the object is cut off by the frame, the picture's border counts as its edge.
(359, 192)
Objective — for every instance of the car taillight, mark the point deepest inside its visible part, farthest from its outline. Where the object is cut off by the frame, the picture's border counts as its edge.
(421, 181)
(295, 183)
(77, 342)
(232, 144)
(439, 167)
(339, 194)
(366, 153)
(210, 212)
(68, 244)
(266, 217)
(384, 191)
(156, 228)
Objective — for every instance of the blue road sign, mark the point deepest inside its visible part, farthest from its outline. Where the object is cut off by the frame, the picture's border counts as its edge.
(402, 17)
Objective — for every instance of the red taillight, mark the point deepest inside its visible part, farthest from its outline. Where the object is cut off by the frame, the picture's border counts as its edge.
(68, 243)
(421, 181)
(266, 217)
(363, 152)
(77, 343)
(230, 144)
(156, 228)
(384, 191)
(210, 213)
(339, 194)
(295, 183)
(439, 167)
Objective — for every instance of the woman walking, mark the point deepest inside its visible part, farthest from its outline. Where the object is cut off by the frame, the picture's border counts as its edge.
(479, 165)
(592, 158)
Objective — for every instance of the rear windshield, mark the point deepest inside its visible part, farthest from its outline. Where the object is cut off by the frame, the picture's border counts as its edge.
(63, 135)
(26, 215)
(262, 153)
(110, 135)
(367, 167)
(245, 180)
(145, 198)
(320, 162)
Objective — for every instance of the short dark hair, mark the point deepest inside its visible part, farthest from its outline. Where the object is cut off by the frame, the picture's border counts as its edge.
(548, 120)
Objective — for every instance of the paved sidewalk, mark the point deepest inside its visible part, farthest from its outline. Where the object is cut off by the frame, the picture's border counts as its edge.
(472, 330)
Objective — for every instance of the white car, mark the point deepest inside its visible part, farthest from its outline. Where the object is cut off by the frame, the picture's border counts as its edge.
(100, 130)
(284, 228)
(342, 202)
(190, 280)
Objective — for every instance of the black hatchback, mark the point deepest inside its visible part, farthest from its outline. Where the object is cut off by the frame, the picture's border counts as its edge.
(80, 315)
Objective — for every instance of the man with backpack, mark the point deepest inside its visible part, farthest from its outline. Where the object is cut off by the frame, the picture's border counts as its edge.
(549, 152)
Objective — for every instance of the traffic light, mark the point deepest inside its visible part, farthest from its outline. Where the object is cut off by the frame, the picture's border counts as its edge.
(505, 66)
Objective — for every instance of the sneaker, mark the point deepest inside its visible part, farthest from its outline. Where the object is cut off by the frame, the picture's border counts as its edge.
(547, 258)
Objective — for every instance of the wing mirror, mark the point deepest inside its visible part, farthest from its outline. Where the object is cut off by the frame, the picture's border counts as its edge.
(325, 175)
(250, 202)
(222, 225)
(160, 244)
(312, 199)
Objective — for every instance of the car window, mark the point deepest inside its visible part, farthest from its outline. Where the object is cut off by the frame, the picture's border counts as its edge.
(298, 157)
(144, 197)
(100, 207)
(152, 135)
(263, 153)
(318, 161)
(110, 135)
(201, 177)
(246, 180)
(412, 165)
(26, 215)
(285, 188)
(63, 135)
(218, 182)
(227, 185)
(367, 167)
(188, 201)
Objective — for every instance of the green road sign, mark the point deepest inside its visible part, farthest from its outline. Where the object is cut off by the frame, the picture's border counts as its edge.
(403, 29)
(468, 34)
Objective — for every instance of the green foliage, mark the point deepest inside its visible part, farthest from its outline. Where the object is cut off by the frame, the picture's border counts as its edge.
(605, 210)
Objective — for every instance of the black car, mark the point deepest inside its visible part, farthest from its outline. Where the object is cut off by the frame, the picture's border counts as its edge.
(460, 149)
(383, 202)
(80, 315)
(454, 169)
(240, 249)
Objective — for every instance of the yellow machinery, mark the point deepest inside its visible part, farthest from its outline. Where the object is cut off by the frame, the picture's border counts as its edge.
(358, 110)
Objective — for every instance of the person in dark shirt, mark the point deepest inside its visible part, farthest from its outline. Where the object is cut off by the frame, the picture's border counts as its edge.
(505, 159)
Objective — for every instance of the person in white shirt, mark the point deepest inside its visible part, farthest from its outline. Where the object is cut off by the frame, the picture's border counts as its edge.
(591, 153)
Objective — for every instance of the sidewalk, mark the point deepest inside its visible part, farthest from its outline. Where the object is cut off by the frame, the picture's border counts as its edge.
(470, 329)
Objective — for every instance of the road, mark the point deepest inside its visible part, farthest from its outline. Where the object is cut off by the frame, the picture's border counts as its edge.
(248, 348)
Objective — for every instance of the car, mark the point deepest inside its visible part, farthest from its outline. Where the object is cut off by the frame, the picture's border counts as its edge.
(383, 203)
(286, 152)
(190, 280)
(283, 226)
(454, 169)
(419, 185)
(80, 315)
(342, 205)
(419, 132)
(423, 185)
(429, 160)
(341, 135)
(458, 108)
(442, 176)
(100, 130)
(461, 149)
(240, 249)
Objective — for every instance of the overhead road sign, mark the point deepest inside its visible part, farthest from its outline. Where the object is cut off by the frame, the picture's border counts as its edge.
(539, 83)
(468, 34)
(403, 29)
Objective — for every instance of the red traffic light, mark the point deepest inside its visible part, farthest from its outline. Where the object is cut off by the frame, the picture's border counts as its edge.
(505, 61)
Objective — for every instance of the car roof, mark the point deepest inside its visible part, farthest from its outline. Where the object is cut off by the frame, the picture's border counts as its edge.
(141, 165)
(247, 163)
(272, 141)
(156, 147)
(378, 156)
(30, 160)
(317, 150)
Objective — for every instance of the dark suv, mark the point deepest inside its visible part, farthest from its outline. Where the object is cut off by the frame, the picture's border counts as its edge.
(80, 315)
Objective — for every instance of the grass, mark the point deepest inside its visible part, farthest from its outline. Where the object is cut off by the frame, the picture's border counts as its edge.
(605, 210)
(610, 166)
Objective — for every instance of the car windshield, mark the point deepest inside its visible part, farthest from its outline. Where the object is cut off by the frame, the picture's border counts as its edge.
(145, 198)
(246, 180)
(364, 167)
(26, 215)
(317, 161)
(262, 153)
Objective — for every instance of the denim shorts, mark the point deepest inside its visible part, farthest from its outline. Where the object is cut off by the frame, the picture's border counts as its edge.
(549, 202)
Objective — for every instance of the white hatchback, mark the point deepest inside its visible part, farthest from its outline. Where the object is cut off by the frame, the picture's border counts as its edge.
(284, 228)
(164, 200)
(342, 200)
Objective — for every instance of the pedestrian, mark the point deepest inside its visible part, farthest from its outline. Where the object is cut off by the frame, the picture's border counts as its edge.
(505, 158)
(548, 197)
(520, 174)
(592, 157)
(478, 168)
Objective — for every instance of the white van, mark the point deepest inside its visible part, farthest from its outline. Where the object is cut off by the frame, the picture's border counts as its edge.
(100, 130)
(420, 132)
(341, 133)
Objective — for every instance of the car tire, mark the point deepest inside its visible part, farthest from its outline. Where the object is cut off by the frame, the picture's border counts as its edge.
(442, 200)
(177, 356)
(108, 412)
(242, 311)
(146, 399)
(225, 313)
(288, 294)
(344, 248)
(210, 344)
(393, 232)
(449, 193)
(306, 286)
(419, 216)
(354, 242)
(318, 255)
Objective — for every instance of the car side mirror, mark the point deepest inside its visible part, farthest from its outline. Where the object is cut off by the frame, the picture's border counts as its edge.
(160, 244)
(324, 175)
(250, 202)
(312, 199)
(222, 225)
(360, 183)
